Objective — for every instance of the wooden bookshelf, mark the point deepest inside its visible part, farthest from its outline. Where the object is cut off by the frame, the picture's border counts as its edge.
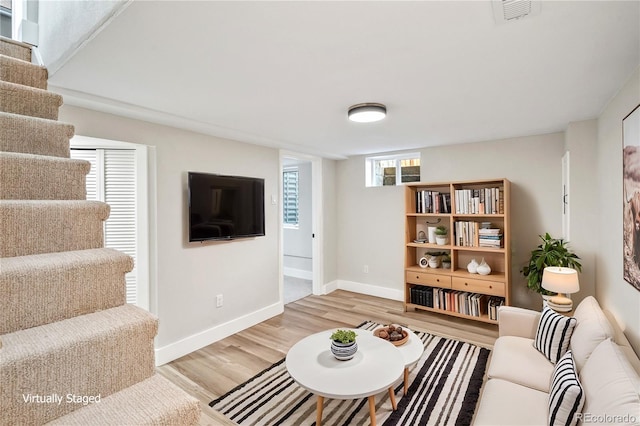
(463, 207)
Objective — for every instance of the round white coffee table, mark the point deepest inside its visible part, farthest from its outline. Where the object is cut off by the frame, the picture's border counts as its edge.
(376, 366)
(411, 352)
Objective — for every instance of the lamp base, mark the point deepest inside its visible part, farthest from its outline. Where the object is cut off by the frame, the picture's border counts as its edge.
(560, 303)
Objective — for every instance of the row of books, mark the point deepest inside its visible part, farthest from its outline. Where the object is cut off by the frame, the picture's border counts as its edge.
(433, 202)
(479, 201)
(470, 234)
(462, 302)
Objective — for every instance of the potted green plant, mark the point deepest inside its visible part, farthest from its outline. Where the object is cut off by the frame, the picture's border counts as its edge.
(551, 252)
(441, 235)
(446, 261)
(343, 344)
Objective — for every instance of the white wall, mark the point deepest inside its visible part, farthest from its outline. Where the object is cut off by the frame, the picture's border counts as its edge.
(371, 225)
(190, 275)
(297, 242)
(330, 222)
(613, 292)
(66, 25)
(581, 141)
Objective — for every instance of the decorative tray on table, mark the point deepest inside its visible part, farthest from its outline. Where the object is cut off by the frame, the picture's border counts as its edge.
(393, 333)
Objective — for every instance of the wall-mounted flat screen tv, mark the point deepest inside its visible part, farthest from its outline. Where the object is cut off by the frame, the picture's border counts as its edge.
(225, 207)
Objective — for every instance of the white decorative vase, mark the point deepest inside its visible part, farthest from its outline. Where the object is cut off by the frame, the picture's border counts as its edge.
(472, 267)
(483, 268)
(343, 351)
(434, 262)
(431, 231)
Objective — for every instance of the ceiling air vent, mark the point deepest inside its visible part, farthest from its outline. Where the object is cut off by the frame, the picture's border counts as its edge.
(510, 10)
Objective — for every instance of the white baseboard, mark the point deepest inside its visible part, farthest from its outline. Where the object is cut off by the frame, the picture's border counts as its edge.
(329, 287)
(199, 340)
(371, 290)
(297, 273)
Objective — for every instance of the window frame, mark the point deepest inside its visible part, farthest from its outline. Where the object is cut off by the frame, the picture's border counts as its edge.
(370, 163)
(285, 224)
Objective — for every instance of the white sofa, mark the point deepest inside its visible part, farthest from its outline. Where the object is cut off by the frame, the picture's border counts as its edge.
(519, 376)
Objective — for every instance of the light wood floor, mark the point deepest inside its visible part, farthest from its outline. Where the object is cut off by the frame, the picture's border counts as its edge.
(216, 369)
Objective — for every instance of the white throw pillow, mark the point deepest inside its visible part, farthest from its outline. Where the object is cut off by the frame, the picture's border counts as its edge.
(553, 334)
(592, 328)
(566, 397)
(612, 387)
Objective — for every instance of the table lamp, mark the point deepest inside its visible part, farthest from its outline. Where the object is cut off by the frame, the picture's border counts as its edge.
(562, 281)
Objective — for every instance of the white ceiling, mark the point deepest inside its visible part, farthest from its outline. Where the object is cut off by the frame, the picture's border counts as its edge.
(284, 73)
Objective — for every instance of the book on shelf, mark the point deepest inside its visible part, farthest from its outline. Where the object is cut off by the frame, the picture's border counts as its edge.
(433, 202)
(462, 302)
(479, 201)
(492, 307)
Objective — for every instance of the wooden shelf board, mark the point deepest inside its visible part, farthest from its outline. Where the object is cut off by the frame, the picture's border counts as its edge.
(484, 249)
(493, 276)
(472, 215)
(483, 318)
(430, 246)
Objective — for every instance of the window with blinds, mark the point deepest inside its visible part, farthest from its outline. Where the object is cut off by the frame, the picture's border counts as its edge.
(290, 196)
(112, 179)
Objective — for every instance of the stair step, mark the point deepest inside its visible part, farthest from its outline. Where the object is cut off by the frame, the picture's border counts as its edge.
(24, 100)
(15, 49)
(34, 227)
(14, 70)
(31, 135)
(155, 401)
(38, 177)
(43, 288)
(90, 355)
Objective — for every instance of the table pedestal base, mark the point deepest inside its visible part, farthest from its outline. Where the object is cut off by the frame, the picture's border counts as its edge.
(372, 407)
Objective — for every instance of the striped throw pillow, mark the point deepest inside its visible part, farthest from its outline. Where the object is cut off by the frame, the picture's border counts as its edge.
(553, 334)
(566, 397)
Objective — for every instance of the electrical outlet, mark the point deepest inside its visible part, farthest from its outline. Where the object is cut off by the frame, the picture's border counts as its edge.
(365, 269)
(219, 301)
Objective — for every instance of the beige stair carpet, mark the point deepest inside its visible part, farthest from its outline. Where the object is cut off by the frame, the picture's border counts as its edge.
(24, 100)
(33, 227)
(154, 401)
(51, 178)
(20, 72)
(31, 135)
(45, 288)
(14, 49)
(94, 354)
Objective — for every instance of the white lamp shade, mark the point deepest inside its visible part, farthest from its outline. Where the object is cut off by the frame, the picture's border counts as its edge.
(367, 113)
(560, 279)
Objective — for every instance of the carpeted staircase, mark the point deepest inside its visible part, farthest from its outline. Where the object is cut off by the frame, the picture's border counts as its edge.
(67, 336)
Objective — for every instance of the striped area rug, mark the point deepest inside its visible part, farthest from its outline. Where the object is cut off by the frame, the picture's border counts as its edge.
(444, 390)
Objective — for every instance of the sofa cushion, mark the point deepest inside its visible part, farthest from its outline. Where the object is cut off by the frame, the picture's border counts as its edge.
(505, 403)
(566, 397)
(553, 334)
(591, 329)
(509, 357)
(612, 387)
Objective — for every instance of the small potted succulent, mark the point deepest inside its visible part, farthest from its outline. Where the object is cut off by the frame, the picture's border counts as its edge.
(343, 344)
(441, 235)
(446, 261)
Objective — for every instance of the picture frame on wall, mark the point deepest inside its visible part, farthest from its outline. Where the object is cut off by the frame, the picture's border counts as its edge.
(631, 194)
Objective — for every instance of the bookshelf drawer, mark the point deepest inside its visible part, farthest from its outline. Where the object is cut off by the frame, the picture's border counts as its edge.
(478, 286)
(431, 280)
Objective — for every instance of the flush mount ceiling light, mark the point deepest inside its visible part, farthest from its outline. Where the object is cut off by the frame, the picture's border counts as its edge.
(367, 112)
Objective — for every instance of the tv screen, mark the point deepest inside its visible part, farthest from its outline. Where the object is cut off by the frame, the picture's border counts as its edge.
(225, 207)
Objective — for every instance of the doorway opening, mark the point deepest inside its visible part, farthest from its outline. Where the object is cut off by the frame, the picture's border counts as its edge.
(297, 229)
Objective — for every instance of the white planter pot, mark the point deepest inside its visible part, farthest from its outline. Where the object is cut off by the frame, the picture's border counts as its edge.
(441, 240)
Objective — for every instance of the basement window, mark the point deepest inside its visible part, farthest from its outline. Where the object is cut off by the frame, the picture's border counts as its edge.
(392, 170)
